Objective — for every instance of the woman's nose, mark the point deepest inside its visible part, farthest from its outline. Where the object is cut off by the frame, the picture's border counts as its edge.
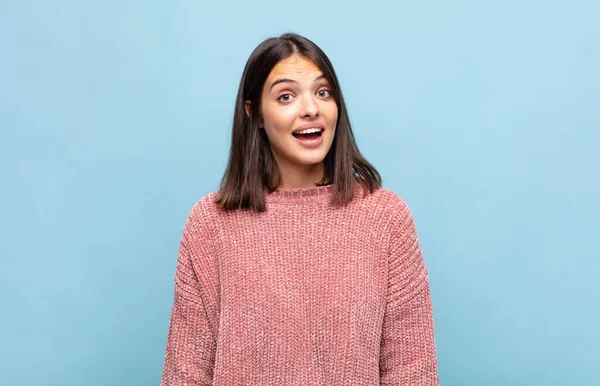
(310, 107)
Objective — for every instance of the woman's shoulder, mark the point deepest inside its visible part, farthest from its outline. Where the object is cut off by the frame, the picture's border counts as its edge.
(207, 202)
(204, 209)
(388, 200)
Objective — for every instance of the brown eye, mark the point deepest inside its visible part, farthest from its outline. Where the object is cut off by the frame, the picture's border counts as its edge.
(325, 93)
(284, 98)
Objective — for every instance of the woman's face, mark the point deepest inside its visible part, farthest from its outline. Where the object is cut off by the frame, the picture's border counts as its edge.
(296, 96)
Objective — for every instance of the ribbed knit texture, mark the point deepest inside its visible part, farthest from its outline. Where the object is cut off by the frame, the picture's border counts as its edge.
(302, 294)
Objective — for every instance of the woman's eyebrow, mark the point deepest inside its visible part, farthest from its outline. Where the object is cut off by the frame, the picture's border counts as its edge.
(286, 80)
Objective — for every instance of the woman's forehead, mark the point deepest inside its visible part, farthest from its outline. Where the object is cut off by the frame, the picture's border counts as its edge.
(295, 66)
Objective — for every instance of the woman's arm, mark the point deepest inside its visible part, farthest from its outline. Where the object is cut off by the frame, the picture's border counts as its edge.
(408, 353)
(190, 351)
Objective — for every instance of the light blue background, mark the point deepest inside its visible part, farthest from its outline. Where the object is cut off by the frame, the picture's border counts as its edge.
(115, 120)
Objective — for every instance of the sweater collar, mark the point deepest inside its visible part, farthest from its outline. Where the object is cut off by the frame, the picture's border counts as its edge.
(302, 195)
(298, 194)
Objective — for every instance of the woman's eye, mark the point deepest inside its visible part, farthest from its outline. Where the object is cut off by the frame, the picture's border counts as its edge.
(325, 93)
(284, 98)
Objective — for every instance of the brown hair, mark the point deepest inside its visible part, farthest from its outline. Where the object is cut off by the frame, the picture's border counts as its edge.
(251, 165)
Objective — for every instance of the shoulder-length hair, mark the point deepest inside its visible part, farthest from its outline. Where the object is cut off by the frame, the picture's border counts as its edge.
(252, 168)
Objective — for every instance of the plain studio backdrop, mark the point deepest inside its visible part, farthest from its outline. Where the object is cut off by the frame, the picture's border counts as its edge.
(482, 115)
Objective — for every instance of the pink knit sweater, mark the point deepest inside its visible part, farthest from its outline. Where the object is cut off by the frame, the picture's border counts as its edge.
(302, 294)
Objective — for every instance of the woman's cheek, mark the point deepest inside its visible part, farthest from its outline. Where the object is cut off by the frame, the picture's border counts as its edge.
(285, 118)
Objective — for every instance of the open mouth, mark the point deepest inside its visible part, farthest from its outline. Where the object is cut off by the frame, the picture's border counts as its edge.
(308, 134)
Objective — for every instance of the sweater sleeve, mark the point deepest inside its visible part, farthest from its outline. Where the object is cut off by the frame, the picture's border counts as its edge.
(408, 352)
(191, 345)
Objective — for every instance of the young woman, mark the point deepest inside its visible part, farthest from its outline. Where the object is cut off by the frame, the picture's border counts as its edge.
(301, 269)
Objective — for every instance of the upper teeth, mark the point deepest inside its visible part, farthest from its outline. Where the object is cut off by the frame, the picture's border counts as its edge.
(308, 131)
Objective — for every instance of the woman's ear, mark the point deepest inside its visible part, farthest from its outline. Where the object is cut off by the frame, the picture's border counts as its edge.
(247, 107)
